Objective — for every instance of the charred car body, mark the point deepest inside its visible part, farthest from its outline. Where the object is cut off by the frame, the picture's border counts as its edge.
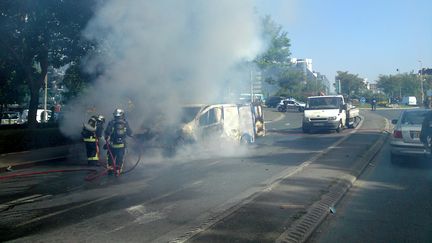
(226, 122)
(207, 124)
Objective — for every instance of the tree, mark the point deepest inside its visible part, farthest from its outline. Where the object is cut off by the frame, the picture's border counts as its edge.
(36, 34)
(75, 80)
(350, 83)
(291, 80)
(11, 89)
(405, 84)
(275, 61)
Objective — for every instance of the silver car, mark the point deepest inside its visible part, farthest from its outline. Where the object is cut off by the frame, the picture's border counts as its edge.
(406, 135)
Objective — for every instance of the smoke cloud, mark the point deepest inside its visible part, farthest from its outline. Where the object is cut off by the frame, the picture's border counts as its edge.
(154, 56)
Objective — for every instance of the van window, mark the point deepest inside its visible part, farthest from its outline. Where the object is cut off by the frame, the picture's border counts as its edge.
(212, 116)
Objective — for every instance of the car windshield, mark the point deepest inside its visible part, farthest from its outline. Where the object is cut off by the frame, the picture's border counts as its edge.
(189, 113)
(324, 103)
(413, 117)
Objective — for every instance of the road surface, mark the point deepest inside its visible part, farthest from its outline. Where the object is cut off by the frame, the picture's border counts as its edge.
(179, 198)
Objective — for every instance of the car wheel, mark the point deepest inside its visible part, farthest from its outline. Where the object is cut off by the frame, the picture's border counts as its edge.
(245, 140)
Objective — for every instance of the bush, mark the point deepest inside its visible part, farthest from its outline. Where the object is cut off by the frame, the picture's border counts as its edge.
(22, 139)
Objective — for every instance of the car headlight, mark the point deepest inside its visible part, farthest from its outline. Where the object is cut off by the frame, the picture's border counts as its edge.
(332, 118)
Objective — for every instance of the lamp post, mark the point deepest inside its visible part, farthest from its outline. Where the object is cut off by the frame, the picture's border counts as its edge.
(45, 113)
(421, 81)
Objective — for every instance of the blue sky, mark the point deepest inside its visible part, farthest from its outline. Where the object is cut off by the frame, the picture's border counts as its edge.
(368, 37)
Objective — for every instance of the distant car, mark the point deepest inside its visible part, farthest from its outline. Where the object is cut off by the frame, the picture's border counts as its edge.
(24, 116)
(291, 104)
(10, 117)
(406, 135)
(273, 101)
(409, 100)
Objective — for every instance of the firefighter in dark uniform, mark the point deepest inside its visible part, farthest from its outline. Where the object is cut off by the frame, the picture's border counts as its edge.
(115, 135)
(91, 133)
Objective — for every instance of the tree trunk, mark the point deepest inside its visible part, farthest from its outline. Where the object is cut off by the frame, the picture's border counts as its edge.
(34, 103)
(35, 86)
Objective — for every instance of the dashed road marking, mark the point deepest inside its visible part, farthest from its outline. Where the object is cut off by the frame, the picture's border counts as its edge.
(64, 210)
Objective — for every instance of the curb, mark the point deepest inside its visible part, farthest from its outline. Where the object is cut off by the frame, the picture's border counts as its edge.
(30, 158)
(301, 230)
(25, 165)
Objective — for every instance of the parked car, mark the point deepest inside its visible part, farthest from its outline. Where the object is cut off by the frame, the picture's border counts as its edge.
(24, 116)
(406, 135)
(291, 104)
(273, 101)
(10, 117)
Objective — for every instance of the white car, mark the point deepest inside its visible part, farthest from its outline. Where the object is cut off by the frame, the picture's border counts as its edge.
(291, 104)
(406, 135)
(24, 116)
(10, 118)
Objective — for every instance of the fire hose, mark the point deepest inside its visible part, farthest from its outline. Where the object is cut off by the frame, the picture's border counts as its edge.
(94, 172)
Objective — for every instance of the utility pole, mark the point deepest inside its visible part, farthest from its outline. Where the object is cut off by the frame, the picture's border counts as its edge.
(45, 116)
(421, 81)
(251, 85)
(400, 84)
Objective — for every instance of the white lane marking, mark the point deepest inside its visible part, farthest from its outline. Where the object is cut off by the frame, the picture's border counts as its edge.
(64, 210)
(142, 216)
(23, 200)
(287, 124)
(280, 117)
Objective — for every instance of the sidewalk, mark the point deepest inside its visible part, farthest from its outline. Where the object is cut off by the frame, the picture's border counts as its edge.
(25, 159)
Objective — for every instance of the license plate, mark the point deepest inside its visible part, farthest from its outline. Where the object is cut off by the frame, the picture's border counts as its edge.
(414, 134)
(319, 124)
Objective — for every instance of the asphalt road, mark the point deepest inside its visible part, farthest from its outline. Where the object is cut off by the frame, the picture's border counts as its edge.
(389, 203)
(163, 198)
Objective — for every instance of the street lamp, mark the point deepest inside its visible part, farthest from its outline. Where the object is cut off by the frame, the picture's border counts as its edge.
(421, 81)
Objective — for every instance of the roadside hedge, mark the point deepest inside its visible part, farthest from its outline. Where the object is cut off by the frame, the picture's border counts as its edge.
(21, 139)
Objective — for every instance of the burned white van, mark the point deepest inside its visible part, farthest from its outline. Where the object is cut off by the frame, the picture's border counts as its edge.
(227, 122)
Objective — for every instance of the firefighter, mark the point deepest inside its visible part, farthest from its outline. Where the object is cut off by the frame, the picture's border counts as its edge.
(91, 133)
(115, 135)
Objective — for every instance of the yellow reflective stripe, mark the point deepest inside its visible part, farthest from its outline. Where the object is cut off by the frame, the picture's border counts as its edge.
(93, 158)
(90, 139)
(118, 145)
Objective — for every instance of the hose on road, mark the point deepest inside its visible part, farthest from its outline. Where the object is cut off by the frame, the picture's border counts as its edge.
(94, 173)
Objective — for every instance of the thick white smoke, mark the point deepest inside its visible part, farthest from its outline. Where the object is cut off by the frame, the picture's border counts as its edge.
(157, 55)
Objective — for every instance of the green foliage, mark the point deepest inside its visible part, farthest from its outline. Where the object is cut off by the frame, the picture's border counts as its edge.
(291, 80)
(276, 59)
(406, 84)
(351, 84)
(37, 34)
(75, 80)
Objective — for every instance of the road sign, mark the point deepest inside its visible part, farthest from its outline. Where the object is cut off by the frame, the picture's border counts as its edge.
(362, 100)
